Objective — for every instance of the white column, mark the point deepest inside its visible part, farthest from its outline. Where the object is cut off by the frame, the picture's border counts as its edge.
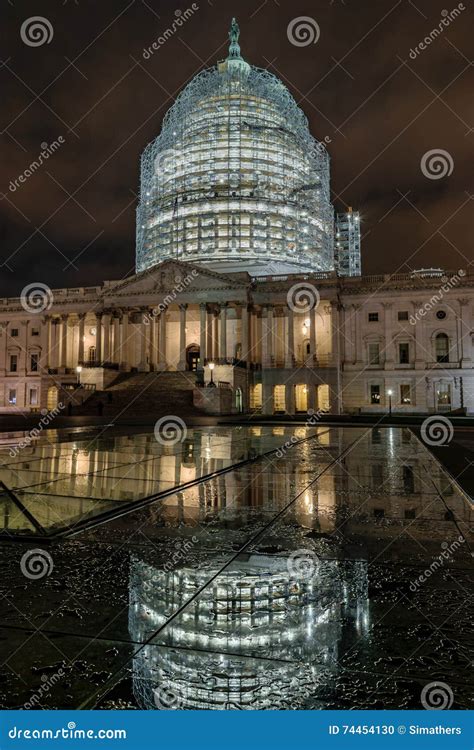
(244, 333)
(389, 352)
(202, 333)
(162, 342)
(80, 345)
(464, 333)
(98, 338)
(223, 332)
(63, 360)
(182, 337)
(290, 347)
(144, 331)
(123, 346)
(312, 337)
(106, 338)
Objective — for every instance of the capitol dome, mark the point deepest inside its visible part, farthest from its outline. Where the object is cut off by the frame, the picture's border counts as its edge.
(235, 179)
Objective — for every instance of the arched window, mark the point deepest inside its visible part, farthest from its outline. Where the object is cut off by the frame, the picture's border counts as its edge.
(442, 347)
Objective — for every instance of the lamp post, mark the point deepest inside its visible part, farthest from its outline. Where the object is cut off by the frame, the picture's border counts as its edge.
(211, 368)
(78, 371)
(389, 392)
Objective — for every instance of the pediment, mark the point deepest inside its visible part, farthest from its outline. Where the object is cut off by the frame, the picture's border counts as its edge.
(173, 276)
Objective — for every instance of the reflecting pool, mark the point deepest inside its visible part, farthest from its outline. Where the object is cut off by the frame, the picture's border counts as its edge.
(238, 567)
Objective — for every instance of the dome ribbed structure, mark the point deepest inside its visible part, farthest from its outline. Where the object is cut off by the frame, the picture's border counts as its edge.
(235, 177)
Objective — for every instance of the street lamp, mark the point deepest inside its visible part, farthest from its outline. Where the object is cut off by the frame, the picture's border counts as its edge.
(78, 370)
(211, 368)
(389, 402)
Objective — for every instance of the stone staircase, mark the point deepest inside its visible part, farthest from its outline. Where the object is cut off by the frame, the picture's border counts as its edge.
(149, 394)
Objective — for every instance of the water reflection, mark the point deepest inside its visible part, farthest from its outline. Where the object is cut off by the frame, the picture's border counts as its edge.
(256, 637)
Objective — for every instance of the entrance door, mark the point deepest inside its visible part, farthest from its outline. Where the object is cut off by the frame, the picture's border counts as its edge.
(192, 357)
(443, 396)
(301, 398)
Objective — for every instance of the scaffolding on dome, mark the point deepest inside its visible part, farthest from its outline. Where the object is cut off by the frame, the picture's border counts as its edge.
(235, 176)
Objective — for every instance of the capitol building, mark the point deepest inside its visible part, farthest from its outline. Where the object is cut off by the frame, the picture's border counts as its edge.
(245, 280)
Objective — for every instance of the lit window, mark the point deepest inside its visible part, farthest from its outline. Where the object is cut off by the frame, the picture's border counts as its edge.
(12, 396)
(375, 394)
(405, 394)
(33, 396)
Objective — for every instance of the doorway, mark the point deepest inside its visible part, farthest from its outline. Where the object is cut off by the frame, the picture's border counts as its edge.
(192, 357)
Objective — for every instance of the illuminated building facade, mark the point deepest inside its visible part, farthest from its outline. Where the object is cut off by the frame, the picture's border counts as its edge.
(236, 178)
(347, 243)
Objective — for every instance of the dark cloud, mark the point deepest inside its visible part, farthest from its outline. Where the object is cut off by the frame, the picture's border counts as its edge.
(73, 222)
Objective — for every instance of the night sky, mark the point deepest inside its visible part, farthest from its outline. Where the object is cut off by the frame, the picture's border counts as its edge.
(72, 223)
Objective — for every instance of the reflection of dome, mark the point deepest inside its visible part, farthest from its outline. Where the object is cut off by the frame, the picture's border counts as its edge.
(235, 176)
(253, 638)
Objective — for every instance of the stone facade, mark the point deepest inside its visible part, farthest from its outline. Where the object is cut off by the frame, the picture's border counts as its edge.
(344, 349)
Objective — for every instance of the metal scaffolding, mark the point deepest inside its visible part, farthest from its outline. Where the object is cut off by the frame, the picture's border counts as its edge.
(347, 249)
(235, 176)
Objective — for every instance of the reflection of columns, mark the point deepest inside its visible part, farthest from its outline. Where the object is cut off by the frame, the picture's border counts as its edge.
(63, 358)
(223, 332)
(98, 338)
(123, 346)
(80, 348)
(182, 337)
(162, 342)
(202, 333)
(244, 335)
